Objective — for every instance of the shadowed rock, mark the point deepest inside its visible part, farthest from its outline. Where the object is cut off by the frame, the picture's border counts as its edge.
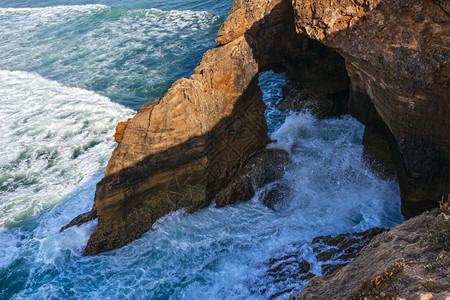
(396, 54)
(263, 168)
(81, 219)
(338, 251)
(191, 145)
(322, 105)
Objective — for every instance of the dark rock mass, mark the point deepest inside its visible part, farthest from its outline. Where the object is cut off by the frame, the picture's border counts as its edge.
(396, 55)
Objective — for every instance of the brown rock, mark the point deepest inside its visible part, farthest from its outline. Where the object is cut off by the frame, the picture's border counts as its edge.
(190, 145)
(267, 166)
(182, 150)
(81, 219)
(396, 55)
(120, 129)
(405, 243)
(270, 28)
(240, 189)
(280, 274)
(288, 266)
(295, 98)
(341, 249)
(275, 196)
(263, 168)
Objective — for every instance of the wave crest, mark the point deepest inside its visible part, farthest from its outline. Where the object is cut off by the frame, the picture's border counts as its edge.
(53, 138)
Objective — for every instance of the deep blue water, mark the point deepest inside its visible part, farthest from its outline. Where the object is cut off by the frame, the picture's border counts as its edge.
(69, 71)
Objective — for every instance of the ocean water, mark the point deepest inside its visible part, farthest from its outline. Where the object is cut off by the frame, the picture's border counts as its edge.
(69, 71)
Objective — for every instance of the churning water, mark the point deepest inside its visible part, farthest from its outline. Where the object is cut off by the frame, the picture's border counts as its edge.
(69, 71)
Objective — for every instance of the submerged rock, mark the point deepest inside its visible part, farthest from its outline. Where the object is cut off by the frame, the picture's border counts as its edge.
(191, 146)
(264, 167)
(295, 98)
(182, 150)
(338, 251)
(283, 273)
(288, 269)
(81, 219)
(274, 195)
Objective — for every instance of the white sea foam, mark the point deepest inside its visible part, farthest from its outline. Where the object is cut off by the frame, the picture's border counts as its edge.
(54, 9)
(14, 20)
(56, 140)
(329, 180)
(9, 251)
(123, 53)
(222, 253)
(53, 139)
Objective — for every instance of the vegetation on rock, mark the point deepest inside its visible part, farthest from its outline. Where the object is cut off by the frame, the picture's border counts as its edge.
(378, 288)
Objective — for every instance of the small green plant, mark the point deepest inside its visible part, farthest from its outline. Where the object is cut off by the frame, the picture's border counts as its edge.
(441, 261)
(374, 288)
(440, 239)
(429, 286)
(444, 206)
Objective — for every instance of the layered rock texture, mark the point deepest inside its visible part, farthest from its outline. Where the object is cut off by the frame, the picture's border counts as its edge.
(192, 145)
(396, 54)
(288, 269)
(180, 151)
(386, 62)
(410, 261)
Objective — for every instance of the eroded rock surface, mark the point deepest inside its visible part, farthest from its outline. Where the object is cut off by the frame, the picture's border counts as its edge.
(263, 168)
(180, 151)
(322, 105)
(289, 268)
(338, 251)
(396, 55)
(191, 146)
(424, 273)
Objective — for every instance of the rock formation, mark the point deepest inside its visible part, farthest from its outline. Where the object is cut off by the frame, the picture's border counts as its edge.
(420, 261)
(336, 252)
(287, 269)
(183, 149)
(396, 54)
(190, 146)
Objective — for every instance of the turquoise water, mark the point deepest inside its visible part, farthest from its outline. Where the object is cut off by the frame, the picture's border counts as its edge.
(69, 71)
(130, 53)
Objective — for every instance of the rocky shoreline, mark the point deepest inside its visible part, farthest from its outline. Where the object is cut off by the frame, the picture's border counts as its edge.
(417, 252)
(384, 62)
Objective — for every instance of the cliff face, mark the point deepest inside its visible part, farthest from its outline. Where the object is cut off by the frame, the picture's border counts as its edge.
(181, 150)
(187, 147)
(396, 55)
(191, 145)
